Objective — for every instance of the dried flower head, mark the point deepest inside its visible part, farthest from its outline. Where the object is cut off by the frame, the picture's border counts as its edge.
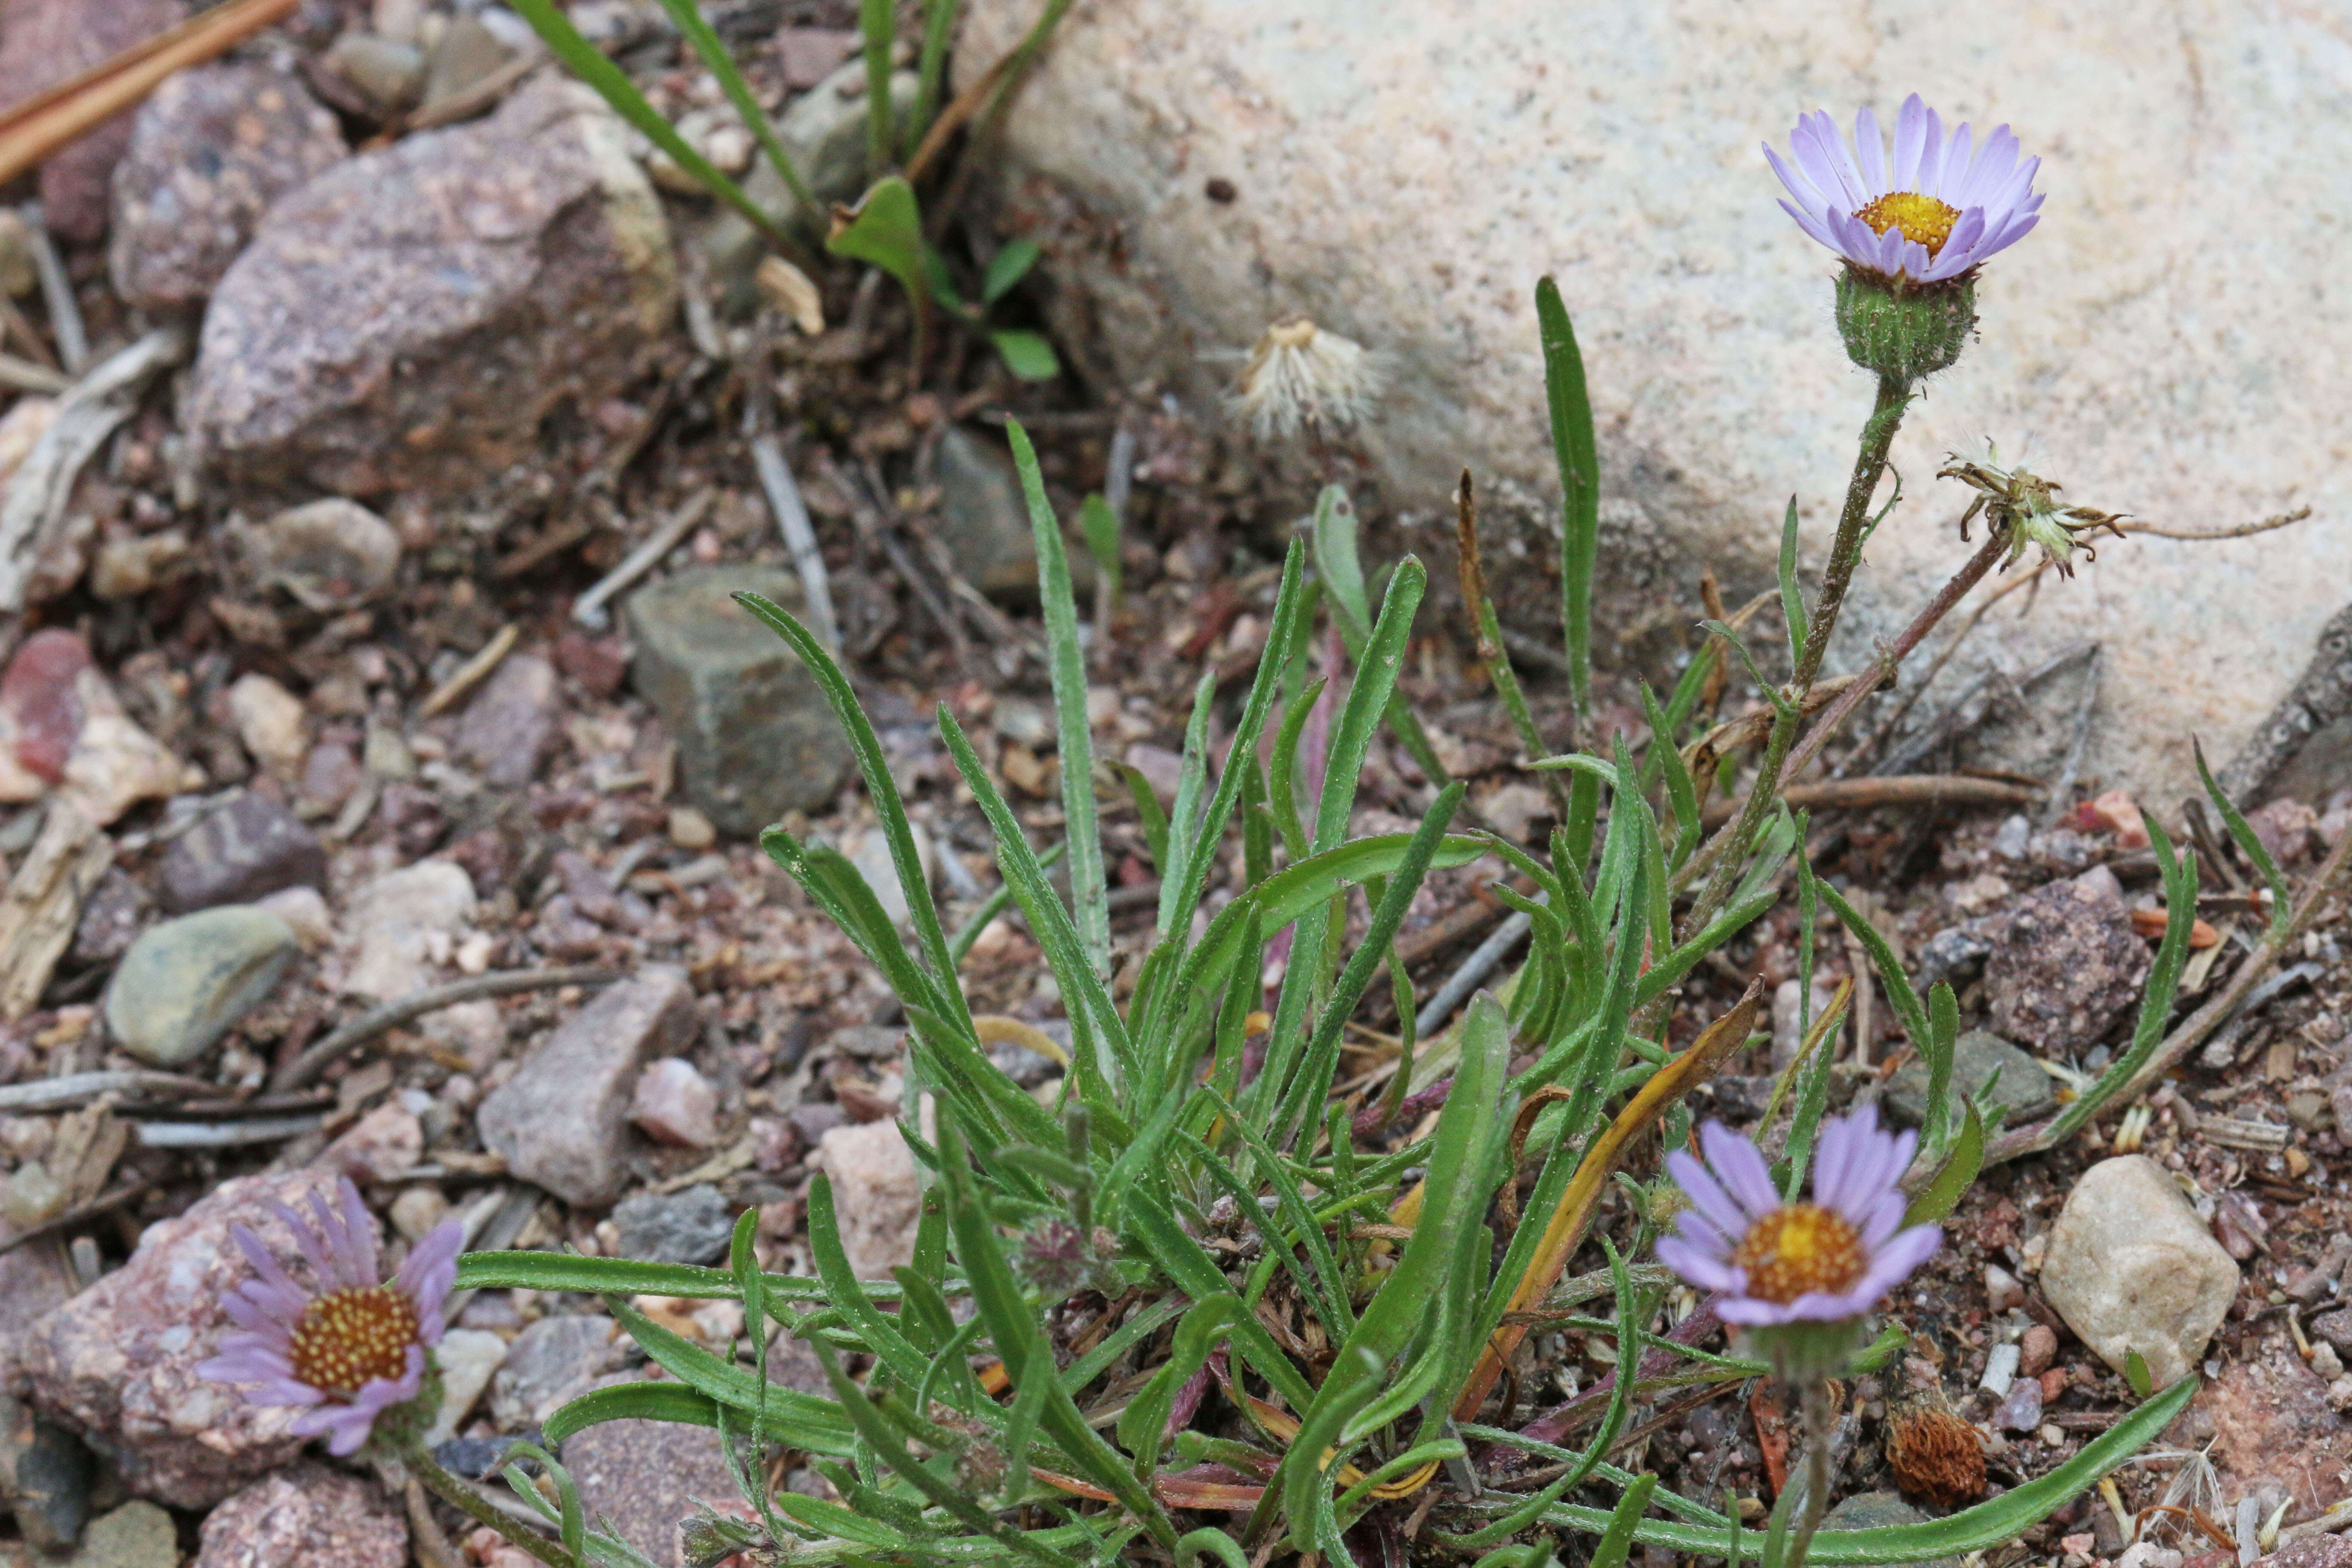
(1301, 377)
(1799, 1277)
(2025, 510)
(1934, 1453)
(1931, 213)
(353, 1345)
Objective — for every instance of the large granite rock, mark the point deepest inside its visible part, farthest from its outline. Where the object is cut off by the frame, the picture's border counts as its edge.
(1404, 174)
(563, 1119)
(117, 1362)
(210, 150)
(755, 737)
(407, 318)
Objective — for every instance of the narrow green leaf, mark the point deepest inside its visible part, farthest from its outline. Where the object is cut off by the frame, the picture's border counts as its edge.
(633, 1402)
(878, 20)
(1101, 526)
(1185, 844)
(1682, 793)
(1577, 454)
(2136, 1375)
(1943, 1194)
(2249, 842)
(1792, 598)
(931, 65)
(1088, 895)
(1617, 1541)
(554, 1271)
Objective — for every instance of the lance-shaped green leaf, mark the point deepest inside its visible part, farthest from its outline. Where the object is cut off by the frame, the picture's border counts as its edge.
(885, 229)
(1577, 454)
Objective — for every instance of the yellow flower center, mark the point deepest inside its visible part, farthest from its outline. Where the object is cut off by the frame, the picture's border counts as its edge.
(1800, 1248)
(1922, 219)
(348, 1337)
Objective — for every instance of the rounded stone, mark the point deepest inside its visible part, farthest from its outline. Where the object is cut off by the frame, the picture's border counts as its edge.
(185, 982)
(2131, 1267)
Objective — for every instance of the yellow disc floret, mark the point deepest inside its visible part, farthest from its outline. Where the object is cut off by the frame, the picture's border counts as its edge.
(1922, 219)
(1797, 1249)
(347, 1339)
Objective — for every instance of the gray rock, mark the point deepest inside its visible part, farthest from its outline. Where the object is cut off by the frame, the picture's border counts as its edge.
(245, 849)
(467, 53)
(755, 736)
(1977, 1055)
(1951, 953)
(983, 520)
(2336, 1327)
(136, 1535)
(511, 722)
(45, 1476)
(1873, 1510)
(689, 1226)
(387, 73)
(2320, 767)
(563, 1119)
(2064, 963)
(408, 318)
(210, 150)
(467, 1358)
(185, 982)
(308, 1514)
(329, 554)
(546, 1364)
(118, 1364)
(2131, 1267)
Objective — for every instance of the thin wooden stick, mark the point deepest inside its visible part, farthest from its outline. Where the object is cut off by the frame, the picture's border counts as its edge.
(376, 1021)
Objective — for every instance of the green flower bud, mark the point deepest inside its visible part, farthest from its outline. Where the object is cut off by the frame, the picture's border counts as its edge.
(1905, 332)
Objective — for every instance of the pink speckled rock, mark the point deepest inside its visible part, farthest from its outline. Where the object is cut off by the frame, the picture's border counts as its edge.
(307, 1514)
(675, 1104)
(117, 1362)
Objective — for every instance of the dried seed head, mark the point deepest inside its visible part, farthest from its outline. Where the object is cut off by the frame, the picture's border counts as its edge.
(1301, 377)
(2024, 507)
(1933, 1453)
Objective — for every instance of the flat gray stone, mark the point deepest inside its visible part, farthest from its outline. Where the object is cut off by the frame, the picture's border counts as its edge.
(690, 1226)
(185, 982)
(1977, 1055)
(755, 736)
(563, 1119)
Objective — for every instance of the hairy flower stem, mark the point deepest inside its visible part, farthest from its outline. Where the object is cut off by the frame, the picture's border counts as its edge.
(1845, 554)
(1820, 1421)
(477, 1508)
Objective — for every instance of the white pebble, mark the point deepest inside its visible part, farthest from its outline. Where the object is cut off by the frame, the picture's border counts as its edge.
(2000, 1368)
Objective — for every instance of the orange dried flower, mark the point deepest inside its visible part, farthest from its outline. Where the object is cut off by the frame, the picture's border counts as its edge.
(1934, 1453)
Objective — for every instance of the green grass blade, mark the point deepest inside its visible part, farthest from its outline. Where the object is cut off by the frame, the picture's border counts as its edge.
(1578, 456)
(697, 31)
(1101, 526)
(621, 1276)
(670, 1402)
(1943, 1194)
(2282, 907)
(587, 62)
(880, 1333)
(1087, 890)
(1682, 793)
(1184, 841)
(874, 767)
(877, 21)
(931, 67)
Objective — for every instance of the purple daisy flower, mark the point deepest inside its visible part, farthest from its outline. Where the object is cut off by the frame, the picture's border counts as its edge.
(1938, 207)
(1828, 1261)
(353, 1345)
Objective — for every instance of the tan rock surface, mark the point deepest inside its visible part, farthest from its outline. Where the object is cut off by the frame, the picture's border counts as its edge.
(2168, 342)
